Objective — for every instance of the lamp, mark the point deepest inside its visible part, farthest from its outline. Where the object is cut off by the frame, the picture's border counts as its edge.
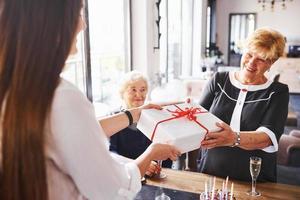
(272, 4)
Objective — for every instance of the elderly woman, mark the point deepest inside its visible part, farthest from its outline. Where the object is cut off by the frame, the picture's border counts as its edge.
(253, 108)
(130, 142)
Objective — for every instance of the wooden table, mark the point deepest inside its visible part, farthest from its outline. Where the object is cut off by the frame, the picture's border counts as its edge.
(194, 182)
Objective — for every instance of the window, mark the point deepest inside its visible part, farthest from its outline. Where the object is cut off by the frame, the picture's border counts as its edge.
(109, 47)
(74, 71)
(182, 39)
(241, 25)
(109, 52)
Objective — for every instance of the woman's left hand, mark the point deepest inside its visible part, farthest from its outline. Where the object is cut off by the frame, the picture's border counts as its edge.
(225, 137)
(136, 112)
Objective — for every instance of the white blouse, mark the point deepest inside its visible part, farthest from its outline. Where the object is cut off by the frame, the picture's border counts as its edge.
(79, 165)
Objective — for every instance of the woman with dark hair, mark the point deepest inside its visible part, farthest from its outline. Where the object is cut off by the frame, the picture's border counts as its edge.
(52, 146)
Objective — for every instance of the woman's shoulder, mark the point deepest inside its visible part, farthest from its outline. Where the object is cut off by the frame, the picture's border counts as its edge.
(221, 76)
(280, 87)
(66, 85)
(68, 95)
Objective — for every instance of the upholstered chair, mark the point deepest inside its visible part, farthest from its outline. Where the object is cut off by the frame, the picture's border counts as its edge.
(289, 149)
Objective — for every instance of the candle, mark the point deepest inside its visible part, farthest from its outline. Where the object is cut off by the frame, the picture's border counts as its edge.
(210, 184)
(213, 193)
(226, 184)
(231, 191)
(222, 191)
(213, 188)
(205, 190)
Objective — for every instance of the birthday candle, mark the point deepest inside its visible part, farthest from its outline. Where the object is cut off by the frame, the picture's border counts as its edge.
(231, 191)
(226, 183)
(213, 188)
(210, 184)
(205, 190)
(213, 193)
(222, 191)
(226, 188)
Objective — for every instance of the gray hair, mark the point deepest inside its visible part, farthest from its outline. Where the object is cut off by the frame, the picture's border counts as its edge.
(129, 78)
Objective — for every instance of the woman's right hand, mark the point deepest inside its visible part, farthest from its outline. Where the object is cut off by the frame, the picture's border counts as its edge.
(153, 169)
(156, 151)
(160, 151)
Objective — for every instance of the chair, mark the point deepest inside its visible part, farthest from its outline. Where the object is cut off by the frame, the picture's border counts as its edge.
(291, 119)
(194, 87)
(171, 92)
(289, 149)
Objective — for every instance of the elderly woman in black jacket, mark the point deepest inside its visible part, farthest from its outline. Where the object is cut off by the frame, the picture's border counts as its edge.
(253, 108)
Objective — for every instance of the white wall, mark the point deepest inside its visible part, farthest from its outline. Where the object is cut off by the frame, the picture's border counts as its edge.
(139, 36)
(285, 21)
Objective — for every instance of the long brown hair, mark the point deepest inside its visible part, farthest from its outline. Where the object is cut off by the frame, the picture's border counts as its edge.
(35, 40)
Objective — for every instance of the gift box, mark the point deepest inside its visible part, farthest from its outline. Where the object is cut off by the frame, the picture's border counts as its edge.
(182, 125)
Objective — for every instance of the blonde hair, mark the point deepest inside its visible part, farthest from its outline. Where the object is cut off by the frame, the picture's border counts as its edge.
(267, 43)
(129, 78)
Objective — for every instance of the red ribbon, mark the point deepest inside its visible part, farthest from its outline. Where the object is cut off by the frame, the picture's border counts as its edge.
(189, 113)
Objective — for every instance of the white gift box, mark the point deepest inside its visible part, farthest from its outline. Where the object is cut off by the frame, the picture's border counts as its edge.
(181, 132)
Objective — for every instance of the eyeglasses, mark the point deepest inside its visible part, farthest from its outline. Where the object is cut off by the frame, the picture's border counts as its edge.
(257, 59)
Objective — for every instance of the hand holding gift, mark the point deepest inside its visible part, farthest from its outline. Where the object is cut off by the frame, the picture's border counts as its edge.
(224, 137)
(182, 125)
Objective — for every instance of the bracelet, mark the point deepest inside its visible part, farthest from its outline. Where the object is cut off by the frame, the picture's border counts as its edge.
(130, 118)
(237, 140)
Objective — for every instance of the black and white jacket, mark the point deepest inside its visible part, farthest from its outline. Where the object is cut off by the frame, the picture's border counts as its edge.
(246, 108)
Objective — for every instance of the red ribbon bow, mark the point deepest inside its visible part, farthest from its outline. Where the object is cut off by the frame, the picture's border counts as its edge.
(189, 113)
